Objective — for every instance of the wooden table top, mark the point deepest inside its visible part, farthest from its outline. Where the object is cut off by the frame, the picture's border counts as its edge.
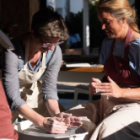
(98, 68)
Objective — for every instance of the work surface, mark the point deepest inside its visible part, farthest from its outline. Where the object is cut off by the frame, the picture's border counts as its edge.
(97, 68)
(28, 131)
(80, 74)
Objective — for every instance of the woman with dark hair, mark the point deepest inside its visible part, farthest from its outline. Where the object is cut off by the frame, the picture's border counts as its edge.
(37, 55)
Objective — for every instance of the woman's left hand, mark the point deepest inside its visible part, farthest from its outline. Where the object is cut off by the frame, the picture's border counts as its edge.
(70, 120)
(109, 89)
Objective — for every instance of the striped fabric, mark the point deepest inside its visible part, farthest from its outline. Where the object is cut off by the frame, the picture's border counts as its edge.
(36, 67)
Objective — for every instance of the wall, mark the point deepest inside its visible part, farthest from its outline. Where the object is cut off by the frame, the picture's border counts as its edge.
(18, 12)
(34, 6)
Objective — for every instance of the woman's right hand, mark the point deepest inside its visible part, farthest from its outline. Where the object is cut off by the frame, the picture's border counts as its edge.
(55, 125)
(92, 85)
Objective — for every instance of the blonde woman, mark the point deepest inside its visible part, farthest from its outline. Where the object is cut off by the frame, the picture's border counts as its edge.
(116, 116)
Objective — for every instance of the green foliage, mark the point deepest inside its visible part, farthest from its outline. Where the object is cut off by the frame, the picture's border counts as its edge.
(75, 25)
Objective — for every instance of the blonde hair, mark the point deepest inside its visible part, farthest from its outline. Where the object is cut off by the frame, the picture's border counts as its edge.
(119, 9)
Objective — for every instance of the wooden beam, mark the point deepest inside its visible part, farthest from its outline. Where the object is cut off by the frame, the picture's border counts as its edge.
(83, 69)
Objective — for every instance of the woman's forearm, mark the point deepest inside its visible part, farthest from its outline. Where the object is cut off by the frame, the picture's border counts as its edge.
(131, 93)
(51, 125)
(52, 106)
(31, 115)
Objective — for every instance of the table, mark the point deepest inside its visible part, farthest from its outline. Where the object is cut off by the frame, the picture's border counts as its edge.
(80, 74)
(98, 68)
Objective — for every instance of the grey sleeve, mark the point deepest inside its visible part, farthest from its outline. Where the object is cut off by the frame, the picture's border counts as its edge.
(49, 86)
(10, 80)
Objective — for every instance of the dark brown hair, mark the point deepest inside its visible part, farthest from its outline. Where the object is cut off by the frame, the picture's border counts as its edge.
(49, 23)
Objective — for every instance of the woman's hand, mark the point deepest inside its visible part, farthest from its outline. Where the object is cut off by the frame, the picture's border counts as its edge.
(70, 120)
(92, 86)
(51, 125)
(109, 89)
(55, 125)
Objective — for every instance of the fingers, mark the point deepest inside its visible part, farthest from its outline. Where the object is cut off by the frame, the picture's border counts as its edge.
(92, 86)
(60, 123)
(92, 90)
(99, 87)
(104, 87)
(75, 121)
(110, 80)
(96, 80)
(64, 115)
(72, 121)
(54, 126)
(69, 120)
(106, 94)
(107, 89)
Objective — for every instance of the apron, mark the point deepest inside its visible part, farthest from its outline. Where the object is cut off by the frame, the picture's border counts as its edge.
(30, 87)
(120, 71)
(99, 117)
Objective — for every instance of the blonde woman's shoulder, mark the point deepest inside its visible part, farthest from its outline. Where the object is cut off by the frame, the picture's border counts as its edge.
(135, 35)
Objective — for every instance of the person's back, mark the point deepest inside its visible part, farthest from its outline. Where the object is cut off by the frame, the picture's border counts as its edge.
(6, 127)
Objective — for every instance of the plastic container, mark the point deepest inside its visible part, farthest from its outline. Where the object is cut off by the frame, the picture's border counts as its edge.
(28, 131)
